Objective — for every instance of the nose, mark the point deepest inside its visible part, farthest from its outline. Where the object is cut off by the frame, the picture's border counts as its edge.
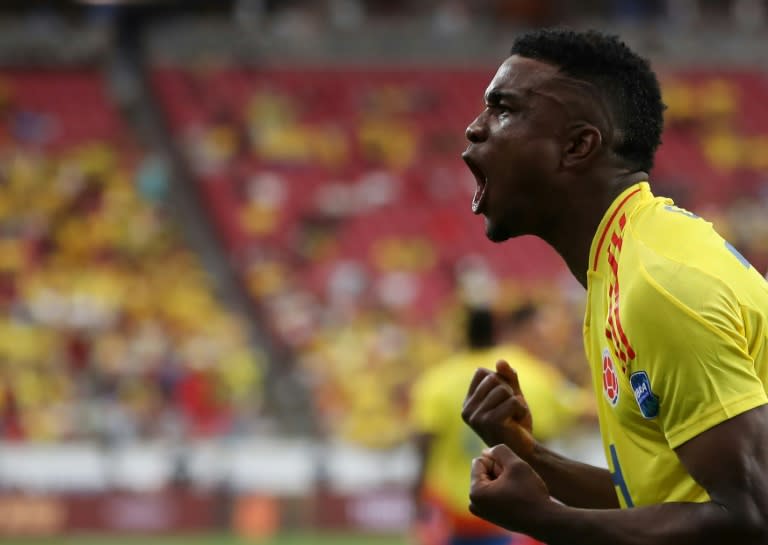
(476, 131)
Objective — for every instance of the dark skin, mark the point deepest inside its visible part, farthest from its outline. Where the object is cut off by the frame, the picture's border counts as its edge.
(540, 141)
(540, 135)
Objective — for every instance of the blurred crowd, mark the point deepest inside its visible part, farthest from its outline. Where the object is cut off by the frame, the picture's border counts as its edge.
(456, 16)
(348, 211)
(340, 197)
(109, 328)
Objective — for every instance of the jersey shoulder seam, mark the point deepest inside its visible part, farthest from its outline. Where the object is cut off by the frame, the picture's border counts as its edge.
(664, 292)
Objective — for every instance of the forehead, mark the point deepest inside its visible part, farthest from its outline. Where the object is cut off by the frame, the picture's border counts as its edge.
(521, 74)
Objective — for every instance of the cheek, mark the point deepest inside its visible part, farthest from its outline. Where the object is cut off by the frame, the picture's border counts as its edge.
(525, 167)
(533, 168)
(535, 147)
(546, 154)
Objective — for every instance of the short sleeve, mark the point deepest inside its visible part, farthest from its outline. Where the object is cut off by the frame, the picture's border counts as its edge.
(689, 338)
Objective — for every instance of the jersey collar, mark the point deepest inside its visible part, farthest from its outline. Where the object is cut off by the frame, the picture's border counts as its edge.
(626, 201)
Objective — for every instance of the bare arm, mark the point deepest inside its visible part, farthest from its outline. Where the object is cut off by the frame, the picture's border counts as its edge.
(423, 443)
(574, 483)
(729, 461)
(496, 410)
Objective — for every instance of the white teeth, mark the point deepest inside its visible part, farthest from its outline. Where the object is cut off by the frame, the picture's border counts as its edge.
(479, 194)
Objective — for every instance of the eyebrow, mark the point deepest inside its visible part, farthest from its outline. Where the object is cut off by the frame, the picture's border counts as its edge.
(495, 96)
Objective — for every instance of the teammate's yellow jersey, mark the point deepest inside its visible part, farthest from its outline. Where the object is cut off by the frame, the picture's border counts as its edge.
(675, 332)
(437, 399)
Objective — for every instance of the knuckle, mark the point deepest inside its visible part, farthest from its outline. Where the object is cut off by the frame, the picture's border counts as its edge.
(491, 379)
(503, 390)
(485, 419)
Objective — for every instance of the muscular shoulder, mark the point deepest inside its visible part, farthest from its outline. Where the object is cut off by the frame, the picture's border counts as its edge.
(679, 252)
(675, 268)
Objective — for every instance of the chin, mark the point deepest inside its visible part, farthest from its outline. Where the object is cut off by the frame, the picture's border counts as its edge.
(497, 233)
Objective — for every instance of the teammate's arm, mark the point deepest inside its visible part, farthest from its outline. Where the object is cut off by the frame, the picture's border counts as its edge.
(423, 444)
(496, 410)
(729, 461)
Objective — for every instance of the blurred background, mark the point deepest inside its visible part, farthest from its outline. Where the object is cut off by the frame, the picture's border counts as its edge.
(234, 234)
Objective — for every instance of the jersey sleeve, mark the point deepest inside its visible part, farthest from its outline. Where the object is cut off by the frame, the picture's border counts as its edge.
(690, 341)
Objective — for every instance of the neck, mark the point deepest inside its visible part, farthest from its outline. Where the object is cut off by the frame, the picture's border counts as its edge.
(572, 237)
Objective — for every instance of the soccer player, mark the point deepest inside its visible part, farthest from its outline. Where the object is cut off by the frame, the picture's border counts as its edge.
(446, 446)
(676, 325)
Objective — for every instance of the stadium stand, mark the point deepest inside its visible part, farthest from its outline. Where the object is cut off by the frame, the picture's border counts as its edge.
(129, 392)
(339, 195)
(110, 328)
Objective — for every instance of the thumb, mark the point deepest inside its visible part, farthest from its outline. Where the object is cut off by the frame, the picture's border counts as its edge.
(505, 371)
(482, 470)
(501, 456)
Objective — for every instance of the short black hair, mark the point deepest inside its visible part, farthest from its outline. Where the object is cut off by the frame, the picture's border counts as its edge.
(624, 79)
(480, 328)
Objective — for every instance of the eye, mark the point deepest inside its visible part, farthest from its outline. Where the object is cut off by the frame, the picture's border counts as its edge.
(504, 111)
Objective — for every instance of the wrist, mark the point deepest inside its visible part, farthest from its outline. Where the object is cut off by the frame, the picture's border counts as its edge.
(543, 519)
(533, 453)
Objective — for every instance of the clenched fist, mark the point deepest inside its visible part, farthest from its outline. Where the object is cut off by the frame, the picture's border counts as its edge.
(496, 410)
(507, 491)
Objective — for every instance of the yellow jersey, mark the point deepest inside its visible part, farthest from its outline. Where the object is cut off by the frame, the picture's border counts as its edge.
(436, 403)
(675, 331)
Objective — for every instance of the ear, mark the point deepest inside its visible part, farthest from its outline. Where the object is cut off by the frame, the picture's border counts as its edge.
(583, 142)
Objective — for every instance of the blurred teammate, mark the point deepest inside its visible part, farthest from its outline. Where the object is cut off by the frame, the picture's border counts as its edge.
(446, 446)
(675, 331)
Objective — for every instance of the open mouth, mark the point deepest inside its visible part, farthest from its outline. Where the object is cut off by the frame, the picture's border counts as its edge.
(482, 183)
